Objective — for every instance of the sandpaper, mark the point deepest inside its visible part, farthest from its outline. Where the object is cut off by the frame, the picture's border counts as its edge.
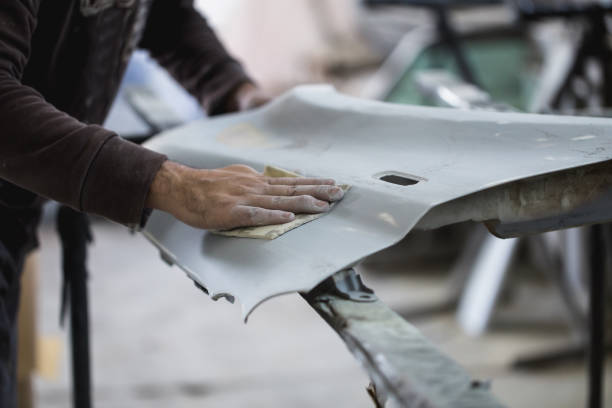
(275, 231)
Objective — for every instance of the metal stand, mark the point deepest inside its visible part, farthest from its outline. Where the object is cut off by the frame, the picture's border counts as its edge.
(551, 357)
(446, 33)
(592, 54)
(596, 353)
(450, 39)
(406, 370)
(73, 228)
(595, 346)
(584, 87)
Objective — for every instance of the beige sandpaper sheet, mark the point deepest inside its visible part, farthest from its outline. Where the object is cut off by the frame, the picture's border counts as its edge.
(275, 231)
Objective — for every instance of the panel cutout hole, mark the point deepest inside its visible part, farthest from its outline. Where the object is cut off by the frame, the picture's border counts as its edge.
(399, 180)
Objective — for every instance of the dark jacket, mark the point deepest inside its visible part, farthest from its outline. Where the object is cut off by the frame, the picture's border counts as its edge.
(61, 63)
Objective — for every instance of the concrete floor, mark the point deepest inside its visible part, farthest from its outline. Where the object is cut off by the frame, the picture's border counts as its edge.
(160, 342)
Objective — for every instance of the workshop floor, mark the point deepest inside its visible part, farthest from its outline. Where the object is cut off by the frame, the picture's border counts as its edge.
(160, 342)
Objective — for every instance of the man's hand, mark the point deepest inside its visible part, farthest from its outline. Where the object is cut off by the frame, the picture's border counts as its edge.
(236, 196)
(247, 96)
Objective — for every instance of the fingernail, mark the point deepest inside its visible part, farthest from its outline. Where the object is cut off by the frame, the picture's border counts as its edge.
(336, 193)
(321, 204)
(289, 216)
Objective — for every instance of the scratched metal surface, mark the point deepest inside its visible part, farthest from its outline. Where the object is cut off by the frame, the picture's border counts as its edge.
(318, 132)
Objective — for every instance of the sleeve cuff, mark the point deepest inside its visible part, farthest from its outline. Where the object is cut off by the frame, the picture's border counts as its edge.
(118, 181)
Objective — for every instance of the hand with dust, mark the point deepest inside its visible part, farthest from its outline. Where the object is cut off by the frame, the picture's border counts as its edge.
(237, 196)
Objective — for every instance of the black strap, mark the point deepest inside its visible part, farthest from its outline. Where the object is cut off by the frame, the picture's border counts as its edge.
(75, 234)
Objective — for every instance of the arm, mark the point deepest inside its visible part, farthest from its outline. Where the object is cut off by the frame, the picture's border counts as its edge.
(181, 41)
(54, 155)
(91, 169)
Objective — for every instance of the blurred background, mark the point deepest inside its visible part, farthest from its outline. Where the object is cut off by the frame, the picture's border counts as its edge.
(157, 341)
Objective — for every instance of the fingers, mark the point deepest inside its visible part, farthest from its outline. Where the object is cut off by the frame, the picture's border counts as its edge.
(322, 192)
(295, 204)
(247, 216)
(295, 181)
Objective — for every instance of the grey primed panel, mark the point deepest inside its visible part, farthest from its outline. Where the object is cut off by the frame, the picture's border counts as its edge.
(318, 132)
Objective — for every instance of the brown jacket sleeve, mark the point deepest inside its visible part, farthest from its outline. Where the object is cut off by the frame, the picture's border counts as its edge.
(52, 154)
(179, 38)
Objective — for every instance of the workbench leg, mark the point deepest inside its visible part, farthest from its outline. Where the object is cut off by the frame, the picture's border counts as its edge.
(596, 355)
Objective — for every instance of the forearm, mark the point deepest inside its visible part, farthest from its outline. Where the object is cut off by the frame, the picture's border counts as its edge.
(54, 155)
(84, 166)
(42, 149)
